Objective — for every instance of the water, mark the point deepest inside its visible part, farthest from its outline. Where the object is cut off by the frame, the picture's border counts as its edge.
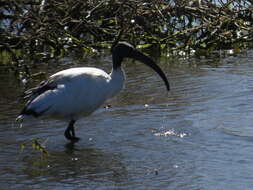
(198, 136)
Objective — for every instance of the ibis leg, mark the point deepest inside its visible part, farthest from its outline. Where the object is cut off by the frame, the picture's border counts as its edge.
(70, 132)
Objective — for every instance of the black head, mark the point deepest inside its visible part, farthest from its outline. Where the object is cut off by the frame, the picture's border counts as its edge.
(124, 49)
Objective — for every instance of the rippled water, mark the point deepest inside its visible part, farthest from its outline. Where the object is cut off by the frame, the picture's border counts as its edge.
(198, 136)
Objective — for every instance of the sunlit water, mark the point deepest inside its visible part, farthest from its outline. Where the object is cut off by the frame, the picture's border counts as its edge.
(198, 136)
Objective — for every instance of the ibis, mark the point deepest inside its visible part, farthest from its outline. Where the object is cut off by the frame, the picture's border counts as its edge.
(77, 92)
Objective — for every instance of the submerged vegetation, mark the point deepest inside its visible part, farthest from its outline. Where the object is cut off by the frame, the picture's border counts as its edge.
(43, 29)
(37, 146)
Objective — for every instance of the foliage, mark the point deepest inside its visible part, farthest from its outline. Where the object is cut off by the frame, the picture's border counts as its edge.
(44, 29)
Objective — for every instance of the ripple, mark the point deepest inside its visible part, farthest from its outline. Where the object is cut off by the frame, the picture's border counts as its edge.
(170, 132)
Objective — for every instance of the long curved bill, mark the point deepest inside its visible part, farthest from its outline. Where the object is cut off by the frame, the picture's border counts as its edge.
(135, 54)
(124, 49)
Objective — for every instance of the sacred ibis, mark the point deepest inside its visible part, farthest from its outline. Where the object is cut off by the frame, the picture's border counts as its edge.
(76, 92)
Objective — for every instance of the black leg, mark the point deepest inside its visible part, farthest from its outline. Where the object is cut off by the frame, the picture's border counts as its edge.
(70, 132)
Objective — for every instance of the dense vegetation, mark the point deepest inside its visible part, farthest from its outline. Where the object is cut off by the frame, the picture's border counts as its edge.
(45, 29)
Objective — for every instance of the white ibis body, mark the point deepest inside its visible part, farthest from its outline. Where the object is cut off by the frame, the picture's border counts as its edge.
(73, 93)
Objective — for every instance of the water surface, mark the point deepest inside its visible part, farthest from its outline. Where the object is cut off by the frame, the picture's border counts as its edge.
(198, 136)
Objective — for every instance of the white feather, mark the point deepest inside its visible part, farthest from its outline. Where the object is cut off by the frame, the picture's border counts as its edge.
(79, 92)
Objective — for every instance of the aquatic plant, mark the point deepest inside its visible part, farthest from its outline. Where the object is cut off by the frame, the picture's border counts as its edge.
(37, 146)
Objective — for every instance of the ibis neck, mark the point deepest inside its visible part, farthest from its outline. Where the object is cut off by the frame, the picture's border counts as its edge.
(117, 81)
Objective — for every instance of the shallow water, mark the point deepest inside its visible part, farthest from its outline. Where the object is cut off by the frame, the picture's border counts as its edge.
(198, 136)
